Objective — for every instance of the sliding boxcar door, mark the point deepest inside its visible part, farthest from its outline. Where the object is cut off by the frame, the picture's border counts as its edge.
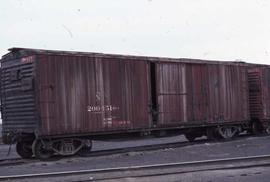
(171, 93)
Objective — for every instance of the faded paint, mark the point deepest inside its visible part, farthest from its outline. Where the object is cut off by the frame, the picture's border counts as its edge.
(92, 94)
(201, 93)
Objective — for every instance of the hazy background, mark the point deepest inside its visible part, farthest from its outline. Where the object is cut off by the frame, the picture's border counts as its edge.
(206, 29)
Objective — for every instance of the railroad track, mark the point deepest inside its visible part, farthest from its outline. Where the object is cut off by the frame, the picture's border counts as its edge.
(148, 170)
(19, 161)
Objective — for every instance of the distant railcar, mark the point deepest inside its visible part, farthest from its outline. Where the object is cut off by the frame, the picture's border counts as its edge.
(58, 101)
(259, 95)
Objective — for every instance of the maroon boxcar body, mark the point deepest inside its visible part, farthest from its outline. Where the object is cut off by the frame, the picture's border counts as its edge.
(56, 93)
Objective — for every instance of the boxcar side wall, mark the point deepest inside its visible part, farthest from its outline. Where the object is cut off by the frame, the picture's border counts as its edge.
(79, 94)
(201, 93)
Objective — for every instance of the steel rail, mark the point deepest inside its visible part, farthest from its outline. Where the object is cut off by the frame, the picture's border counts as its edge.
(145, 167)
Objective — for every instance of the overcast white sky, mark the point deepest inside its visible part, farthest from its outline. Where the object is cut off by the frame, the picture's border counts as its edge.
(206, 29)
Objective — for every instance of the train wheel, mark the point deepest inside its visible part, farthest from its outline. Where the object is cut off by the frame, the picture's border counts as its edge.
(86, 148)
(190, 137)
(227, 132)
(24, 149)
(41, 151)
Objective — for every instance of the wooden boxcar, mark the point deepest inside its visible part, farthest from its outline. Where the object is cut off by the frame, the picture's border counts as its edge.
(58, 101)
